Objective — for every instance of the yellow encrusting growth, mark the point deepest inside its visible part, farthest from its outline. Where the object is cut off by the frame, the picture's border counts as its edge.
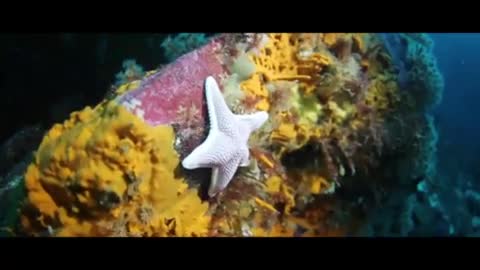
(105, 172)
(127, 87)
(280, 60)
(324, 98)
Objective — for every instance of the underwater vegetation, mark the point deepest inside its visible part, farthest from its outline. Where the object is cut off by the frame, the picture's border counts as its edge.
(348, 137)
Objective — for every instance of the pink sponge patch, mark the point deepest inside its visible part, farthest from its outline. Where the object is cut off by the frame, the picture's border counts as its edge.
(181, 83)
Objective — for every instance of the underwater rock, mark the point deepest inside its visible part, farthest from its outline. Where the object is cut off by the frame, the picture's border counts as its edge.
(161, 94)
(114, 170)
(174, 95)
(397, 49)
(12, 193)
(14, 149)
(15, 155)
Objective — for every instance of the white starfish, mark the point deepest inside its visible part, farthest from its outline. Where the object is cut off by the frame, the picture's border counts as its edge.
(226, 146)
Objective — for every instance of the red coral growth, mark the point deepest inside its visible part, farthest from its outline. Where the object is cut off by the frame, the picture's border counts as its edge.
(190, 128)
(179, 84)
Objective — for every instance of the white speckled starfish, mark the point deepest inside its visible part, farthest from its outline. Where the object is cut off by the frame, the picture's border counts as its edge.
(225, 148)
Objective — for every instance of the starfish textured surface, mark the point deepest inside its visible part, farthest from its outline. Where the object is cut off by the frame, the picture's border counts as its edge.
(226, 146)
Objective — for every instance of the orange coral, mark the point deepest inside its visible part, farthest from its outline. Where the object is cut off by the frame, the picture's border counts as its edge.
(330, 39)
(314, 87)
(101, 171)
(278, 60)
(105, 172)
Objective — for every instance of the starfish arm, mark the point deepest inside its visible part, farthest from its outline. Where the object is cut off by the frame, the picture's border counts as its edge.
(222, 175)
(253, 121)
(202, 156)
(245, 157)
(245, 161)
(219, 114)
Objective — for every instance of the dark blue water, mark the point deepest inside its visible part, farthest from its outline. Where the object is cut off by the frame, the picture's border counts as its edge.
(458, 57)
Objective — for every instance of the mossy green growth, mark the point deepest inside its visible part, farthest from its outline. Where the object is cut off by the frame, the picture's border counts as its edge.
(11, 201)
(308, 106)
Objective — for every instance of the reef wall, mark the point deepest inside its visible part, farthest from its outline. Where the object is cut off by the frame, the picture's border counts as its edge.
(349, 133)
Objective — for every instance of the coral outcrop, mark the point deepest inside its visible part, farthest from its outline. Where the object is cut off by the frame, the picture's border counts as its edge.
(339, 139)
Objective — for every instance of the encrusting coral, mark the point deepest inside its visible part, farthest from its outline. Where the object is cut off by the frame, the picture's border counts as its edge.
(106, 173)
(331, 99)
